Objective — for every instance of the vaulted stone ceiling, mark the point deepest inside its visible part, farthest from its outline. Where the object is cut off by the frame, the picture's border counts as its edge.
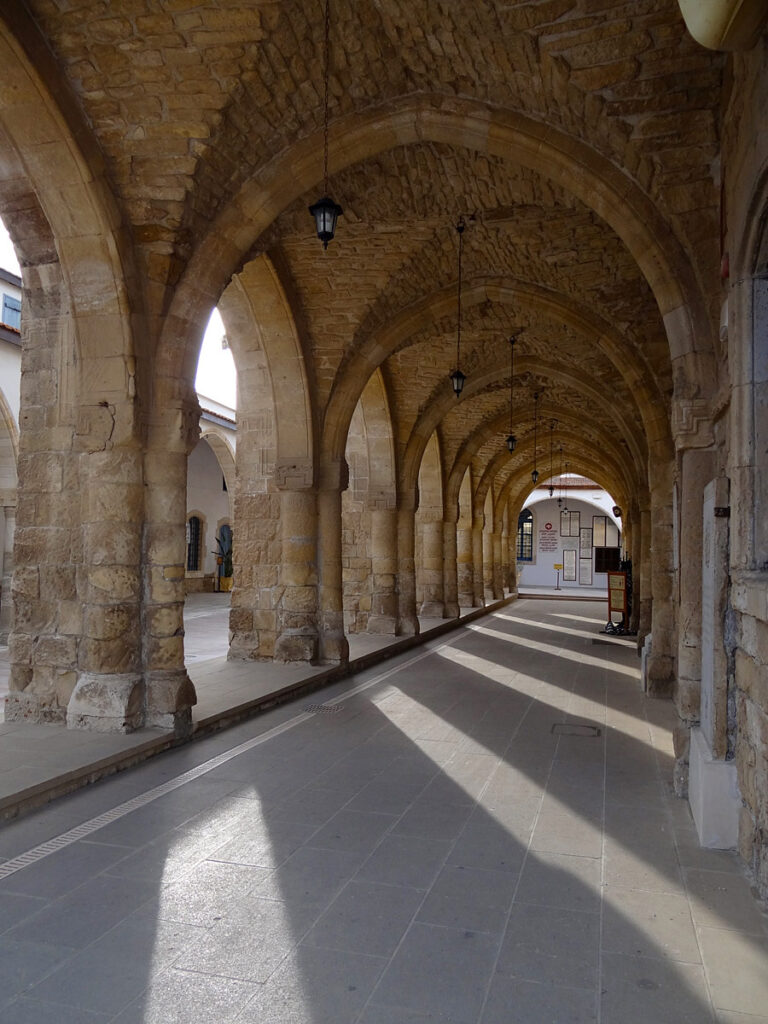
(191, 105)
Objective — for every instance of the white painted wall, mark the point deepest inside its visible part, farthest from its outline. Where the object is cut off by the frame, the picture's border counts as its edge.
(548, 545)
(206, 497)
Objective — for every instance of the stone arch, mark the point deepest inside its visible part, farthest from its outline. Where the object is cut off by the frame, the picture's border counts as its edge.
(81, 367)
(429, 532)
(570, 162)
(368, 503)
(651, 405)
(225, 454)
(275, 464)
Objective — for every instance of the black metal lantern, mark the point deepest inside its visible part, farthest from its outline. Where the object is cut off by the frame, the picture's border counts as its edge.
(511, 439)
(535, 476)
(325, 211)
(458, 378)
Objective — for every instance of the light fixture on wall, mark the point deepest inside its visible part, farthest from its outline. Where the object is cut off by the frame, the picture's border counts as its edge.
(552, 425)
(457, 378)
(535, 472)
(511, 439)
(325, 211)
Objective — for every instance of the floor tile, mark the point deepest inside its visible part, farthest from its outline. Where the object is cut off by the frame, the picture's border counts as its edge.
(439, 970)
(514, 1000)
(555, 880)
(737, 968)
(366, 918)
(720, 899)
(641, 923)
(551, 946)
(638, 990)
(405, 860)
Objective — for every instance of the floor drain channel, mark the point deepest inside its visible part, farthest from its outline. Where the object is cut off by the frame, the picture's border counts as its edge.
(320, 709)
(563, 729)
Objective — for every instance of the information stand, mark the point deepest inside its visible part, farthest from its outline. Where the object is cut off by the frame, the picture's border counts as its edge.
(617, 596)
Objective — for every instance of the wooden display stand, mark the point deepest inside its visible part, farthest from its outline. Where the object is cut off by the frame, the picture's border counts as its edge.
(617, 595)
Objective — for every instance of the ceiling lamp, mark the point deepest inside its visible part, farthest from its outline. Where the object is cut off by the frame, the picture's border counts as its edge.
(565, 489)
(325, 211)
(552, 425)
(535, 473)
(560, 480)
(511, 440)
(457, 378)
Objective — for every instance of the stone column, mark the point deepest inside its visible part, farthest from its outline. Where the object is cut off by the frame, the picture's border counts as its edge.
(464, 566)
(488, 595)
(170, 693)
(7, 529)
(504, 560)
(497, 571)
(696, 469)
(450, 569)
(384, 555)
(109, 694)
(478, 598)
(407, 620)
(296, 612)
(333, 644)
(433, 605)
(634, 551)
(643, 589)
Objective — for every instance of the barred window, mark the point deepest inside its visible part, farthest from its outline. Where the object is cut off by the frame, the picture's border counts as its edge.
(194, 533)
(525, 536)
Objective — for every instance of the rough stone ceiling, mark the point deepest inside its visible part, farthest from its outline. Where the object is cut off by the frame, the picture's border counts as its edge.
(189, 103)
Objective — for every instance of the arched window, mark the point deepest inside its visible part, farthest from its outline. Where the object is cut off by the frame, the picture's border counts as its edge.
(525, 536)
(194, 535)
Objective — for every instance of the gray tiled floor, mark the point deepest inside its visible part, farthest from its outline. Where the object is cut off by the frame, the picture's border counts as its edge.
(432, 852)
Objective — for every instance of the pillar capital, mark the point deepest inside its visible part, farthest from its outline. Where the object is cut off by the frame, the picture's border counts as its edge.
(294, 474)
(692, 423)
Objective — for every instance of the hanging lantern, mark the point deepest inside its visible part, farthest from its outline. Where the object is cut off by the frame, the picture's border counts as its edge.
(511, 439)
(552, 425)
(325, 211)
(535, 473)
(457, 378)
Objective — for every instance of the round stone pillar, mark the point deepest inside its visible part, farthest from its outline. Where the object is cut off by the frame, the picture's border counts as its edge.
(497, 571)
(297, 635)
(109, 694)
(407, 620)
(464, 566)
(333, 644)
(505, 573)
(433, 605)
(450, 569)
(170, 694)
(7, 529)
(383, 617)
(478, 598)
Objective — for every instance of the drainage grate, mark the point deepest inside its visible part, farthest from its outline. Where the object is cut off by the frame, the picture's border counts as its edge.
(320, 709)
(564, 729)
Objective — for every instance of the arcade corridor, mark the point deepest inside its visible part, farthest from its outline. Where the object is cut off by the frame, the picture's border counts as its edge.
(480, 832)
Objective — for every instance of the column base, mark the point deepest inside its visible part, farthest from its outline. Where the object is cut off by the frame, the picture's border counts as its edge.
(451, 610)
(713, 793)
(108, 702)
(169, 702)
(408, 625)
(432, 610)
(382, 625)
(296, 647)
(333, 649)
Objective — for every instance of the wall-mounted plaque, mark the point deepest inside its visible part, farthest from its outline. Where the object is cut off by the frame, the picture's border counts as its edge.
(585, 571)
(585, 542)
(569, 565)
(598, 531)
